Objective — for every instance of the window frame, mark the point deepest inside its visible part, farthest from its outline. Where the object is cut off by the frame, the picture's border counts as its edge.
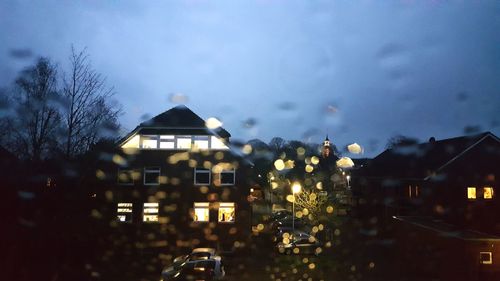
(151, 170)
(469, 194)
(178, 137)
(167, 139)
(229, 205)
(149, 137)
(150, 206)
(492, 192)
(490, 261)
(206, 138)
(130, 210)
(233, 171)
(202, 170)
(204, 206)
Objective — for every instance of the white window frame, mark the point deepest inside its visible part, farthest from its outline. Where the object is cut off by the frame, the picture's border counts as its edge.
(150, 209)
(124, 208)
(149, 137)
(204, 171)
(152, 170)
(201, 205)
(201, 138)
(177, 138)
(490, 261)
(233, 171)
(224, 205)
(167, 139)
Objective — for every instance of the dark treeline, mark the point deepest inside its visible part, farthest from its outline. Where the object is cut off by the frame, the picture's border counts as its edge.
(55, 123)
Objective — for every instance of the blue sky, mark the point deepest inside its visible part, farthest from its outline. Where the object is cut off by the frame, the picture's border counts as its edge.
(361, 71)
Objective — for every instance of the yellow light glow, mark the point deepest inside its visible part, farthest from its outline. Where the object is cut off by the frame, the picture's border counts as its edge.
(319, 185)
(309, 168)
(201, 213)
(355, 148)
(213, 123)
(488, 192)
(247, 149)
(279, 164)
(315, 160)
(296, 187)
(226, 212)
(345, 162)
(329, 209)
(132, 143)
(471, 192)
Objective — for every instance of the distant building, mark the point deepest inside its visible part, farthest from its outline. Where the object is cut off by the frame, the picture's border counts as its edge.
(173, 173)
(455, 180)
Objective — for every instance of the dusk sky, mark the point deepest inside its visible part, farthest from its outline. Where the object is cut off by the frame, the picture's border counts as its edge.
(361, 71)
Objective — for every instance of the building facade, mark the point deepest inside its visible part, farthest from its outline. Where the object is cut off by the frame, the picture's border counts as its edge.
(175, 175)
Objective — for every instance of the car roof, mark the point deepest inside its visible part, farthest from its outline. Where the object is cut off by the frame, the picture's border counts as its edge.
(211, 251)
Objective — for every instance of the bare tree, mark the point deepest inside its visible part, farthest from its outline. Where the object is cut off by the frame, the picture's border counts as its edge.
(88, 111)
(311, 204)
(36, 118)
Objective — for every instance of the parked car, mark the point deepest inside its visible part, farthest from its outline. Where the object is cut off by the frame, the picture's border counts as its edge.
(280, 231)
(279, 215)
(200, 264)
(286, 221)
(300, 243)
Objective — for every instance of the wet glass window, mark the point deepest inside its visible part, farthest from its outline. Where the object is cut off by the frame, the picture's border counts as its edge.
(202, 176)
(152, 175)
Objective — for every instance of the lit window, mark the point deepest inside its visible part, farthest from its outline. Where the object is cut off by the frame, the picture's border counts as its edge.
(471, 192)
(226, 212)
(488, 192)
(152, 176)
(125, 177)
(133, 142)
(201, 212)
(184, 142)
(124, 212)
(149, 142)
(167, 142)
(409, 191)
(485, 258)
(201, 176)
(201, 142)
(217, 143)
(150, 212)
(227, 177)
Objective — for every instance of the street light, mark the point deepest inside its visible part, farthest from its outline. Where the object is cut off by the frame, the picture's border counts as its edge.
(348, 178)
(295, 189)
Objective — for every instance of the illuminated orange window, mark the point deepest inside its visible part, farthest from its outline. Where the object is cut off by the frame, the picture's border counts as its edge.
(488, 192)
(471, 193)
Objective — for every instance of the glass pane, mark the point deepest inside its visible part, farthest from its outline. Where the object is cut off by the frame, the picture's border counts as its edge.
(184, 142)
(471, 192)
(227, 177)
(488, 193)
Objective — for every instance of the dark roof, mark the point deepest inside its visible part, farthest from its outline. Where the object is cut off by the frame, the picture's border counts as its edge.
(418, 161)
(177, 120)
(447, 230)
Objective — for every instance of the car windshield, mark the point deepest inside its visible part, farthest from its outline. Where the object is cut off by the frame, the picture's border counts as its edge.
(286, 139)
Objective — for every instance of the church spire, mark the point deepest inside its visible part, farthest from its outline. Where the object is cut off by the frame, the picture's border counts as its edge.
(325, 152)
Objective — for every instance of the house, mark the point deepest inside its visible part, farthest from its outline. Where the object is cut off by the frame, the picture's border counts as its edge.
(453, 179)
(175, 175)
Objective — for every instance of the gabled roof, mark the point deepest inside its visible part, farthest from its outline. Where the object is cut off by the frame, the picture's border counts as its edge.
(177, 120)
(419, 161)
